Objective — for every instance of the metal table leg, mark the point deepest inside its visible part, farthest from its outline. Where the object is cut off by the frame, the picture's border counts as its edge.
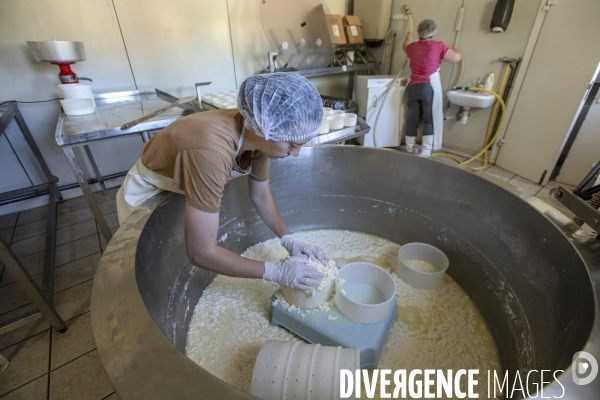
(96, 170)
(350, 87)
(50, 252)
(87, 192)
(17, 269)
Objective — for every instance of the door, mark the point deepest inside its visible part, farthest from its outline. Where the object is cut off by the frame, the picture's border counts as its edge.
(561, 69)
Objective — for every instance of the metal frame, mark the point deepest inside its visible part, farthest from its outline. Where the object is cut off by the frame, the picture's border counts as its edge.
(578, 206)
(576, 200)
(44, 298)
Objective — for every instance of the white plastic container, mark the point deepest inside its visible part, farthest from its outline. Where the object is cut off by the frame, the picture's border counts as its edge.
(304, 299)
(350, 119)
(364, 292)
(208, 98)
(77, 91)
(327, 110)
(77, 106)
(489, 82)
(324, 127)
(337, 112)
(296, 370)
(433, 265)
(219, 102)
(270, 369)
(336, 122)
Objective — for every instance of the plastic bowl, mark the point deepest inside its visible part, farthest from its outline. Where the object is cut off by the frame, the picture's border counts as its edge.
(365, 292)
(296, 370)
(304, 299)
(421, 265)
(77, 106)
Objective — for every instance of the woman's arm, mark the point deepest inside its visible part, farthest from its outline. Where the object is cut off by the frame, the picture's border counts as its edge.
(201, 230)
(452, 56)
(260, 194)
(407, 41)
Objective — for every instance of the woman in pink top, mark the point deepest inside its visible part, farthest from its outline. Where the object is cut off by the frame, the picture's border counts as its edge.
(425, 56)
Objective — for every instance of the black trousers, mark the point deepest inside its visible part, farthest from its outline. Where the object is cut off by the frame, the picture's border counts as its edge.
(419, 101)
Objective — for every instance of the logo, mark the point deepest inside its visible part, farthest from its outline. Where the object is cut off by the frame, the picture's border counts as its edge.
(585, 368)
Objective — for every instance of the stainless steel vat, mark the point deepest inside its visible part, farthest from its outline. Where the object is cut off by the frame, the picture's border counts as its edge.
(530, 270)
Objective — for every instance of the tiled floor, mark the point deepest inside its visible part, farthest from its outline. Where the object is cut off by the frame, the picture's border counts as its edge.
(50, 365)
(45, 364)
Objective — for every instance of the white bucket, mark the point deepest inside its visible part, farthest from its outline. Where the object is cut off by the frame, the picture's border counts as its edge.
(296, 370)
(364, 292)
(336, 122)
(77, 106)
(421, 265)
(77, 91)
(324, 127)
(350, 119)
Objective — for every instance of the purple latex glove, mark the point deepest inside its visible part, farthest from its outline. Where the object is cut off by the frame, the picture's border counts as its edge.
(293, 272)
(297, 248)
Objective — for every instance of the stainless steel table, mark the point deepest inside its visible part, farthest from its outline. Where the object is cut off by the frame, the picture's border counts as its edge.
(112, 111)
(115, 109)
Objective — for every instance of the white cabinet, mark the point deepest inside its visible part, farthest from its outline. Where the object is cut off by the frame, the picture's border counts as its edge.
(379, 99)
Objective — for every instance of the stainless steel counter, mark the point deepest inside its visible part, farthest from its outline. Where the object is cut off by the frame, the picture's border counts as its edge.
(112, 111)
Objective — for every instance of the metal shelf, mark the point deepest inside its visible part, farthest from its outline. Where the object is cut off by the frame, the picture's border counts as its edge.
(343, 62)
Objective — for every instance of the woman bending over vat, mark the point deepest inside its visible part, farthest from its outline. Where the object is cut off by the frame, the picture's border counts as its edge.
(197, 155)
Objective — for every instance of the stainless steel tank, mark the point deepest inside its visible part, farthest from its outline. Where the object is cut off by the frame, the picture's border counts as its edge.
(530, 270)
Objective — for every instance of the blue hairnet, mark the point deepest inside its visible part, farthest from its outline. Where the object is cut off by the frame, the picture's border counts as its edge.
(426, 29)
(282, 106)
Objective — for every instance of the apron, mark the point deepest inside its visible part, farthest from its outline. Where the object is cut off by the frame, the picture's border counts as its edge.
(141, 183)
(437, 109)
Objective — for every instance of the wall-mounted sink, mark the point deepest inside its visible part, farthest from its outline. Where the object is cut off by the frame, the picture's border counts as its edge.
(470, 99)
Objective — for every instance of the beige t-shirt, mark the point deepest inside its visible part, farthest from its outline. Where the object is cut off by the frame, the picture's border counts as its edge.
(199, 153)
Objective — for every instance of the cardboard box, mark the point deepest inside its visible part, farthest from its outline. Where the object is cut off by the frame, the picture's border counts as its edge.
(335, 26)
(353, 29)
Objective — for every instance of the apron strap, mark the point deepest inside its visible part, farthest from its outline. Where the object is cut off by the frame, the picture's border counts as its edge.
(241, 141)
